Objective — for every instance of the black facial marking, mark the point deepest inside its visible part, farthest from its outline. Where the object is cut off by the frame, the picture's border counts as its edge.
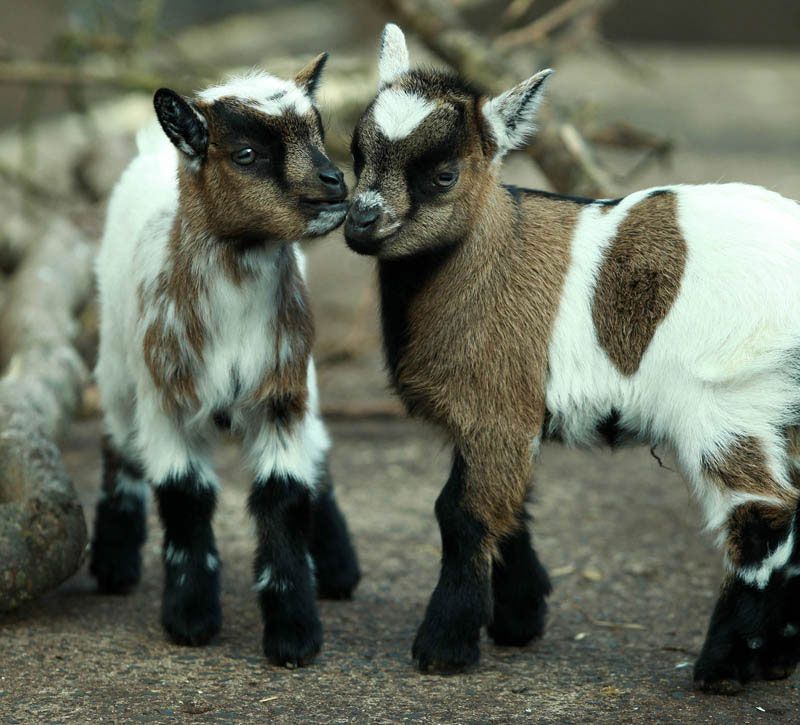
(266, 136)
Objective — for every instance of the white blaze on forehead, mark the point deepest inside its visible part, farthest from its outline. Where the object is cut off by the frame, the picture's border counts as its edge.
(263, 91)
(397, 113)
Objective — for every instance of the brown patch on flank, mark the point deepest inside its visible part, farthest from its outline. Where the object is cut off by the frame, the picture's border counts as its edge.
(639, 280)
(754, 530)
(743, 469)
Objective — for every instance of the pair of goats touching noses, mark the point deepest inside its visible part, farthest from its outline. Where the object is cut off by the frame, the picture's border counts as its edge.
(510, 316)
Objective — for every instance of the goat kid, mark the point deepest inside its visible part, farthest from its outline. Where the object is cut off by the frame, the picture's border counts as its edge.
(511, 315)
(205, 319)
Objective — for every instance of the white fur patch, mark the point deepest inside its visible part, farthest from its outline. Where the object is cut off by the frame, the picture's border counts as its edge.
(268, 94)
(392, 56)
(398, 113)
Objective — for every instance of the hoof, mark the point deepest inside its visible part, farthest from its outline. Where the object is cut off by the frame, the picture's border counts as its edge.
(291, 643)
(444, 654)
(190, 611)
(338, 584)
(520, 626)
(723, 686)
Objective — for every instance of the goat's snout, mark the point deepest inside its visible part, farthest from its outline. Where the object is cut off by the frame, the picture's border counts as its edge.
(360, 228)
(333, 179)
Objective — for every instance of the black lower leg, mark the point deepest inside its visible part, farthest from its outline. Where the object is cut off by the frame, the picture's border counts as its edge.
(745, 626)
(281, 507)
(447, 640)
(190, 611)
(737, 635)
(334, 557)
(782, 652)
(119, 528)
(520, 586)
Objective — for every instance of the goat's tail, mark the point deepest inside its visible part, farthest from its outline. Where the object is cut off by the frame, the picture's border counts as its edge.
(150, 139)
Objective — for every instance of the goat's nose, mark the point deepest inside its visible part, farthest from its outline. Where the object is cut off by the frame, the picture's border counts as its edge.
(332, 177)
(361, 218)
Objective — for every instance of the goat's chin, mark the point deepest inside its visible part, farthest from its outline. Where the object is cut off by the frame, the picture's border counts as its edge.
(326, 221)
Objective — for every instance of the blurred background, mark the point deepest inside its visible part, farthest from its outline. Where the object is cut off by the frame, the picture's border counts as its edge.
(646, 93)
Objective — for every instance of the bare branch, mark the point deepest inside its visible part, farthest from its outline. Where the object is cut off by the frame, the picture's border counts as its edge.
(536, 31)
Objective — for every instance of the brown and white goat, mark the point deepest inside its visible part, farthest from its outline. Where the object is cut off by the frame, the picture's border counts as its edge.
(205, 321)
(512, 315)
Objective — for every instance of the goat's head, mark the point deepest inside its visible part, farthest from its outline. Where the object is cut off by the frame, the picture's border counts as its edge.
(253, 165)
(424, 152)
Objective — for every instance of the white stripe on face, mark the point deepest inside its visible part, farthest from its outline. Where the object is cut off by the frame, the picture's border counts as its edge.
(265, 92)
(397, 113)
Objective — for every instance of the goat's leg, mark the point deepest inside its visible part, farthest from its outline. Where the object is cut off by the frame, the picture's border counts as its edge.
(335, 560)
(119, 528)
(288, 455)
(478, 507)
(186, 493)
(520, 587)
(747, 636)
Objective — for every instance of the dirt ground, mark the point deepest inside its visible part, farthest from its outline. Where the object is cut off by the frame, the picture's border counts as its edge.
(634, 579)
(634, 585)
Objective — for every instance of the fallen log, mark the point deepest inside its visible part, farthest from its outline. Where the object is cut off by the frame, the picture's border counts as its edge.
(42, 527)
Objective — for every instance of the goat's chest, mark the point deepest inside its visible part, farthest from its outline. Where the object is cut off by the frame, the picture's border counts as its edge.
(244, 337)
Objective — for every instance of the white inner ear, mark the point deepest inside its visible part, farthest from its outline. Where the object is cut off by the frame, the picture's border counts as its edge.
(511, 114)
(393, 56)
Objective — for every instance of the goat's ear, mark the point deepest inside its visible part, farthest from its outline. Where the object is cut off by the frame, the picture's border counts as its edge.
(510, 115)
(183, 123)
(308, 78)
(392, 55)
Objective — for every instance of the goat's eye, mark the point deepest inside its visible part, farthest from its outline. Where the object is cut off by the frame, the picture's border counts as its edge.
(244, 157)
(445, 179)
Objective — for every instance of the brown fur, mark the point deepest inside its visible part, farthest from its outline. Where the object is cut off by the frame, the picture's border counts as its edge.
(476, 361)
(230, 203)
(745, 519)
(639, 280)
(743, 469)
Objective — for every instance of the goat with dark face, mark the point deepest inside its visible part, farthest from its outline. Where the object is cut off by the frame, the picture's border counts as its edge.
(205, 319)
(512, 315)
